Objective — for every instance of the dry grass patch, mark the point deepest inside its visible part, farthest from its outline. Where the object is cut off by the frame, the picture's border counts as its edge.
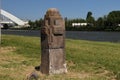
(7, 55)
(12, 65)
(6, 49)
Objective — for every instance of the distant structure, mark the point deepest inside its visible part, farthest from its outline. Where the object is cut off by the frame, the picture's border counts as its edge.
(81, 24)
(118, 24)
(11, 19)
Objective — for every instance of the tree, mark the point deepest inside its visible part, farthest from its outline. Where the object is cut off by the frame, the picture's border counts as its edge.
(89, 14)
(100, 24)
(90, 19)
(113, 18)
(100, 21)
(36, 24)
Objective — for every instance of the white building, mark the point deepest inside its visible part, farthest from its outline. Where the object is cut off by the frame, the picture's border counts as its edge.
(79, 24)
(118, 24)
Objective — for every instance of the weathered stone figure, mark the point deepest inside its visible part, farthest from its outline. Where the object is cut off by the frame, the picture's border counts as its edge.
(53, 43)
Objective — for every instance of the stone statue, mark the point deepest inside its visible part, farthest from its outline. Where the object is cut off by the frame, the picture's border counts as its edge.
(53, 43)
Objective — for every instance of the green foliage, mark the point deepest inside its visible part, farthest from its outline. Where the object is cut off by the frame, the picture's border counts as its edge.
(113, 18)
(100, 22)
(90, 18)
(105, 23)
(35, 25)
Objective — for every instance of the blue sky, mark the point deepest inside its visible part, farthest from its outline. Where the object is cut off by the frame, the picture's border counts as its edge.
(35, 9)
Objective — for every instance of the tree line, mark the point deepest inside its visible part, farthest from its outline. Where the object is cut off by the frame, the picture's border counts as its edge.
(110, 22)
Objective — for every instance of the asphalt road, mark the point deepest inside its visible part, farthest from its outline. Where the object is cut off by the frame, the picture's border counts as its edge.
(82, 35)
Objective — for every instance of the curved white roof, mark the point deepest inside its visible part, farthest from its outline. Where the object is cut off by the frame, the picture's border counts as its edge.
(13, 18)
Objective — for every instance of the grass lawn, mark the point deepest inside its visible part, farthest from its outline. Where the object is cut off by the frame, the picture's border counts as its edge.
(86, 60)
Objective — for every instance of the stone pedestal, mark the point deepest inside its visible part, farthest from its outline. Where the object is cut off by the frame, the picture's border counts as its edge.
(53, 43)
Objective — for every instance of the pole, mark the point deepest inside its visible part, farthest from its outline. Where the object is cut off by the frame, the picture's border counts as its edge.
(0, 24)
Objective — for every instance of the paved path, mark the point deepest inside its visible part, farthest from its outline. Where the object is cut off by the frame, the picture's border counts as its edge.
(83, 35)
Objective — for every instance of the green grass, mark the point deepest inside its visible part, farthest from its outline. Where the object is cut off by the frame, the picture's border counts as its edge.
(86, 60)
